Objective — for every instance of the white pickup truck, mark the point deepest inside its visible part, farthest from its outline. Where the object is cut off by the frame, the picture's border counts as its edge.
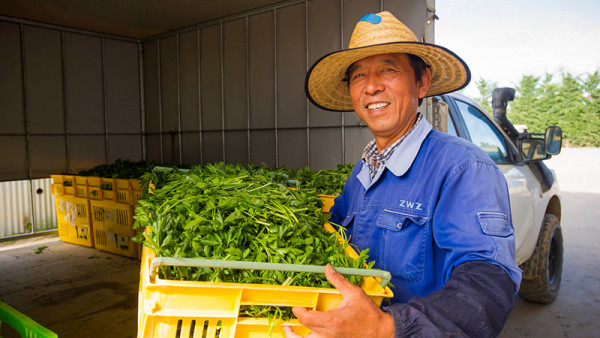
(534, 190)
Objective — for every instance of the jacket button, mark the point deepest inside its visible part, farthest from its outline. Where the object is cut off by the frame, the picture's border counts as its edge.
(399, 225)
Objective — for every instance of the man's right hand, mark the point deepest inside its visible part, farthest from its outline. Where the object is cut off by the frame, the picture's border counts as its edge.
(355, 316)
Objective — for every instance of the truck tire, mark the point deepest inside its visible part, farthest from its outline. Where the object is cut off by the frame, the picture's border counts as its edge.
(542, 272)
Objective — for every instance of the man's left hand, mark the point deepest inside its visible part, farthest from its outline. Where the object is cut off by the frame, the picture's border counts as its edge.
(355, 316)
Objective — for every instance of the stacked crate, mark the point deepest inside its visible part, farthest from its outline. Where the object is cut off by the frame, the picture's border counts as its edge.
(97, 212)
(72, 209)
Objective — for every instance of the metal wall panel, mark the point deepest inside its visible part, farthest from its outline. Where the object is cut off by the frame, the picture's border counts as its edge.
(188, 78)
(44, 80)
(292, 150)
(122, 89)
(211, 78)
(48, 155)
(325, 147)
(152, 87)
(83, 85)
(11, 81)
(26, 207)
(261, 54)
(355, 140)
(13, 163)
(170, 147)
(191, 151)
(44, 211)
(236, 147)
(234, 75)
(15, 209)
(262, 147)
(323, 16)
(154, 148)
(212, 146)
(125, 147)
(169, 84)
(291, 67)
(411, 13)
(85, 151)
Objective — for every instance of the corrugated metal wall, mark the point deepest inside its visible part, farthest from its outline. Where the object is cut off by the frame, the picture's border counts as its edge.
(232, 90)
(26, 207)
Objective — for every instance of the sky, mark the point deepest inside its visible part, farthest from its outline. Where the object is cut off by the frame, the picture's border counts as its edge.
(502, 40)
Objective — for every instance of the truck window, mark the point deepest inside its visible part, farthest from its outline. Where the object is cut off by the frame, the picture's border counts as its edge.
(483, 133)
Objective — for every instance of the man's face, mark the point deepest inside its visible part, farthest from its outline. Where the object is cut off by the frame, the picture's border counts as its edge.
(385, 95)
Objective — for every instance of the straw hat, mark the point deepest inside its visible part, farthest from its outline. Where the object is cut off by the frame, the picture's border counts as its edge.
(376, 34)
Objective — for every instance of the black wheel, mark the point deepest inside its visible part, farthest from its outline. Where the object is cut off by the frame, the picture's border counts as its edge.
(542, 272)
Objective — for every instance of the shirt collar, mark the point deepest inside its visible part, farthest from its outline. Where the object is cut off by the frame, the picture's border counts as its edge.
(404, 154)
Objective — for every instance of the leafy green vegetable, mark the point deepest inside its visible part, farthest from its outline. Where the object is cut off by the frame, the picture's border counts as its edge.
(238, 213)
(245, 213)
(123, 169)
(326, 182)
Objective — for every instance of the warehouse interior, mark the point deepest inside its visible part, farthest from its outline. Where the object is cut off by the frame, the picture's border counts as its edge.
(192, 83)
(186, 82)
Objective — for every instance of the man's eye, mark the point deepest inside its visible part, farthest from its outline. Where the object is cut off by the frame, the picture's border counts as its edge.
(356, 76)
(388, 70)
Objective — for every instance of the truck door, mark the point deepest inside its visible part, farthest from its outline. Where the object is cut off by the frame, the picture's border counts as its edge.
(474, 125)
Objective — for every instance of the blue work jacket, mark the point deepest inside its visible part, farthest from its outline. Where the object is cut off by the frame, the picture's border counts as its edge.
(439, 202)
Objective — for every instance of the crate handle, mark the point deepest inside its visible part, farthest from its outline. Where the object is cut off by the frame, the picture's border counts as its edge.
(200, 262)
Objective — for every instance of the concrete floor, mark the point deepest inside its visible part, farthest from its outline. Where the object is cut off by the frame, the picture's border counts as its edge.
(82, 292)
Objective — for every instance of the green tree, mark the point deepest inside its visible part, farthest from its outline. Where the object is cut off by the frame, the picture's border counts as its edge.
(485, 93)
(573, 103)
(525, 108)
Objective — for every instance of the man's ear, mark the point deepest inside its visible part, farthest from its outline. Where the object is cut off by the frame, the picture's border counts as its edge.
(424, 82)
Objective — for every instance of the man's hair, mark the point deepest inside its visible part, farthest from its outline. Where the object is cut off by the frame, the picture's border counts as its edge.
(417, 64)
(419, 67)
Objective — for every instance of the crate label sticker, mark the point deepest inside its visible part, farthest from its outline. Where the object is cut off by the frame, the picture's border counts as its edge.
(110, 215)
(70, 212)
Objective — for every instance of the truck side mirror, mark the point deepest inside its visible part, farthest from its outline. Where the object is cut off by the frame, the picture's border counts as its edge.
(553, 140)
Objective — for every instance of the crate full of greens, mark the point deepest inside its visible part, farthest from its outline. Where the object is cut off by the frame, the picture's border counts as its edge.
(220, 244)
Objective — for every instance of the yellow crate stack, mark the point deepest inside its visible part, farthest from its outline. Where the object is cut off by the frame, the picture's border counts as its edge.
(72, 211)
(97, 212)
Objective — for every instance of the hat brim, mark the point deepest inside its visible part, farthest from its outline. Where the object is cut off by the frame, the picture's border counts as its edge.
(326, 89)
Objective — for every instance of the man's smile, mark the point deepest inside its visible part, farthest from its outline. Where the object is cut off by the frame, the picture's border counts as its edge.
(377, 106)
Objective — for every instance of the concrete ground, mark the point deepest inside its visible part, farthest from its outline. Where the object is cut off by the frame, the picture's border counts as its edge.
(82, 292)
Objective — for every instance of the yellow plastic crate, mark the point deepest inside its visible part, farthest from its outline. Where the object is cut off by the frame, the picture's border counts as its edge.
(73, 218)
(168, 308)
(113, 228)
(110, 189)
(136, 187)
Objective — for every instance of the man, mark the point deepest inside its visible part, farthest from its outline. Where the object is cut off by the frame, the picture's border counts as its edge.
(433, 209)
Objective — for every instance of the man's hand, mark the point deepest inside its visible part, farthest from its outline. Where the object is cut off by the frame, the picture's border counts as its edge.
(356, 316)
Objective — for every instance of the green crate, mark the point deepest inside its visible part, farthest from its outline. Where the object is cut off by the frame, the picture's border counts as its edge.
(23, 324)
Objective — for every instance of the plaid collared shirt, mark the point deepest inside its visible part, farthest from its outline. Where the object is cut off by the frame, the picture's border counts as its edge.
(375, 160)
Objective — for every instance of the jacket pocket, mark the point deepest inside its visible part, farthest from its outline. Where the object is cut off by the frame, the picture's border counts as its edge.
(494, 224)
(402, 245)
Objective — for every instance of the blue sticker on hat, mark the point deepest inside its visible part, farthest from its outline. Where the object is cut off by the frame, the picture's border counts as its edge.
(371, 18)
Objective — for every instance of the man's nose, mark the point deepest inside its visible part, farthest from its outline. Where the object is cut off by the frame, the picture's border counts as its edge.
(374, 84)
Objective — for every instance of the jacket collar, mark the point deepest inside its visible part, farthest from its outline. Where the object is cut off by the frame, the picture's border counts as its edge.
(403, 157)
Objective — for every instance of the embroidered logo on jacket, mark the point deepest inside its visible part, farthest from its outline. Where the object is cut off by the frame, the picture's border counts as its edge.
(411, 205)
